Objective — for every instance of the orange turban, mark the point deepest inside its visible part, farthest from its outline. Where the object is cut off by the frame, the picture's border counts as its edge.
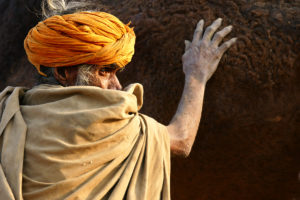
(80, 38)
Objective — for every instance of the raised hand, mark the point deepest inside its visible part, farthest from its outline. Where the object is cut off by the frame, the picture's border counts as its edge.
(204, 53)
(200, 61)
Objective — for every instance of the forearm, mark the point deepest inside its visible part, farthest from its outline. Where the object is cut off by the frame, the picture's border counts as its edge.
(200, 61)
(185, 123)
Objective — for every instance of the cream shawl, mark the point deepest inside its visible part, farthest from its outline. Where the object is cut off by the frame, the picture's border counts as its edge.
(81, 142)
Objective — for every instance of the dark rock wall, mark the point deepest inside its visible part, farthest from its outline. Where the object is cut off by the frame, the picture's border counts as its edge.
(248, 144)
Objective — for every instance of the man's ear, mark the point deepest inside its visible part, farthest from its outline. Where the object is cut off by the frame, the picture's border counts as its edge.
(60, 75)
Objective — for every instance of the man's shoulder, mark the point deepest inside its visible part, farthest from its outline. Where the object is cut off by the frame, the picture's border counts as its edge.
(10, 90)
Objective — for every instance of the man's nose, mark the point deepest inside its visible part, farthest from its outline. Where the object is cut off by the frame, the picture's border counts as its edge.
(116, 83)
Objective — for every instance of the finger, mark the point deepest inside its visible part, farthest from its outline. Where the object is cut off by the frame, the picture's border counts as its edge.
(212, 29)
(226, 46)
(187, 44)
(198, 32)
(218, 37)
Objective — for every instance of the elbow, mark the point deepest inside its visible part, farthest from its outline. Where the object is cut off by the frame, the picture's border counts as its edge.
(184, 153)
(181, 148)
(180, 144)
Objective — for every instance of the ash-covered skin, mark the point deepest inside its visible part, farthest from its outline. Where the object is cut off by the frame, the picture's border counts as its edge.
(248, 142)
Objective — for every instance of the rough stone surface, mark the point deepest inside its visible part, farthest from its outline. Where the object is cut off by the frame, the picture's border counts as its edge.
(248, 144)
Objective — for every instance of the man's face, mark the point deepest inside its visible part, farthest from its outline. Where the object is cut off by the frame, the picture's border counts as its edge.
(105, 77)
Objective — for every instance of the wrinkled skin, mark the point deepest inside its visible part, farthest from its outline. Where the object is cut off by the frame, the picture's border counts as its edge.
(200, 61)
(203, 54)
(104, 77)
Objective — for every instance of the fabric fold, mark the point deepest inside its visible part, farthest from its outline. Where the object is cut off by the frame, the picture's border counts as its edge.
(12, 141)
(84, 142)
(96, 38)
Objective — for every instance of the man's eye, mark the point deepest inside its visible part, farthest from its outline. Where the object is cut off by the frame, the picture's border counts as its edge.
(106, 69)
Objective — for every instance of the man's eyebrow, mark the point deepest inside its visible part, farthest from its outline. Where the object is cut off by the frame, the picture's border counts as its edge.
(115, 66)
(112, 67)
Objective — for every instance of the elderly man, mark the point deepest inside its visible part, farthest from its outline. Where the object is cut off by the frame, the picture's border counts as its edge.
(78, 135)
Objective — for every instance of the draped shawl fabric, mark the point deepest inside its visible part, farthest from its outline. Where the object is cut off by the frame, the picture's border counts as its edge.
(81, 142)
(80, 38)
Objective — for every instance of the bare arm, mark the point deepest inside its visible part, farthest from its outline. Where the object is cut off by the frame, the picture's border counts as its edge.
(200, 61)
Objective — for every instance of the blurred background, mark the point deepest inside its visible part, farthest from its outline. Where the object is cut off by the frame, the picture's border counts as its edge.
(248, 143)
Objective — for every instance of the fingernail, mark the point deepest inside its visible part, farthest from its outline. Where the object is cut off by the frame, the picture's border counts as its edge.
(220, 19)
(201, 21)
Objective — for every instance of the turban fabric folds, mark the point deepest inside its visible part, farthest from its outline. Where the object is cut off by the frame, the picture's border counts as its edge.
(80, 38)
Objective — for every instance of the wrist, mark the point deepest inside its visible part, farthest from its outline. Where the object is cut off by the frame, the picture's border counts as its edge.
(195, 79)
